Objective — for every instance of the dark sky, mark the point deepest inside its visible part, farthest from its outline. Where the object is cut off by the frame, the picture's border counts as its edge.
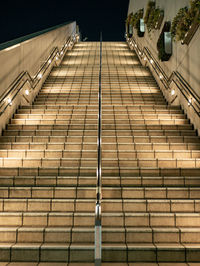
(19, 18)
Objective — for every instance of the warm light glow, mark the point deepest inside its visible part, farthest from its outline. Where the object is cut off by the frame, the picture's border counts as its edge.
(189, 102)
(56, 57)
(135, 45)
(172, 92)
(151, 61)
(40, 75)
(140, 53)
(49, 61)
(61, 52)
(145, 58)
(9, 101)
(27, 92)
(161, 76)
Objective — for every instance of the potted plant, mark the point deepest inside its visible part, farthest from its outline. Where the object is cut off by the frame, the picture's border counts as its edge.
(153, 16)
(186, 22)
(129, 27)
(136, 22)
(150, 6)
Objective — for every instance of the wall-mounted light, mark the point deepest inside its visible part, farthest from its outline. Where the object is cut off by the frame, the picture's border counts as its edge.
(172, 92)
(9, 101)
(39, 75)
(27, 92)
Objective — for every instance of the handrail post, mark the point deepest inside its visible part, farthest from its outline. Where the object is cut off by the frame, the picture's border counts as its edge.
(98, 249)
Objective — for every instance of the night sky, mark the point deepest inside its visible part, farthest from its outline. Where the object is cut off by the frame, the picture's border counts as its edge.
(19, 18)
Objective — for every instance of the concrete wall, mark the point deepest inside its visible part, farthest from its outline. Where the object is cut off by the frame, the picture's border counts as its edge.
(29, 55)
(185, 58)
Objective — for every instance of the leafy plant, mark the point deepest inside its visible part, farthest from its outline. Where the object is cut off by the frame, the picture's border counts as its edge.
(128, 21)
(150, 6)
(136, 18)
(152, 16)
(184, 19)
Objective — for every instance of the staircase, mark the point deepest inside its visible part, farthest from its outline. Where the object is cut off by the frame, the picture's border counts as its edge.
(150, 169)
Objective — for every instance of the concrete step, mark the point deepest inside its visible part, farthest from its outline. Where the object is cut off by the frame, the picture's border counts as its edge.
(50, 205)
(47, 252)
(48, 192)
(135, 219)
(67, 127)
(165, 254)
(58, 235)
(151, 205)
(151, 181)
(44, 219)
(151, 192)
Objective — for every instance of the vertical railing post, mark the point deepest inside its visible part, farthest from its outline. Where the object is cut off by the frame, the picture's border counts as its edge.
(98, 250)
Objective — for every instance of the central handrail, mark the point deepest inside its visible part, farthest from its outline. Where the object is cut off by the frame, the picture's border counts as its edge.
(98, 228)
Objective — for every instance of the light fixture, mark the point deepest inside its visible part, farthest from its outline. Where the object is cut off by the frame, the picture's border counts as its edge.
(61, 52)
(135, 45)
(56, 57)
(151, 61)
(140, 53)
(39, 75)
(189, 102)
(9, 101)
(49, 61)
(27, 92)
(145, 58)
(161, 76)
(172, 92)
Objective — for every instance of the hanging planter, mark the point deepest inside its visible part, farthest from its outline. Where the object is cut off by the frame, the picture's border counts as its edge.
(153, 17)
(186, 23)
(151, 5)
(137, 22)
(159, 20)
(164, 44)
(189, 35)
(129, 26)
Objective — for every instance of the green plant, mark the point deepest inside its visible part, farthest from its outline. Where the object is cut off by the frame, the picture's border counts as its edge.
(152, 16)
(184, 19)
(128, 21)
(150, 6)
(136, 18)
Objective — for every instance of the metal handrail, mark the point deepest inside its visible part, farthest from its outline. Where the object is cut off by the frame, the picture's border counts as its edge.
(182, 85)
(15, 87)
(98, 228)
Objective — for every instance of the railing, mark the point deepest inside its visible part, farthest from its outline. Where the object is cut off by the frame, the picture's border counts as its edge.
(98, 192)
(181, 84)
(16, 87)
